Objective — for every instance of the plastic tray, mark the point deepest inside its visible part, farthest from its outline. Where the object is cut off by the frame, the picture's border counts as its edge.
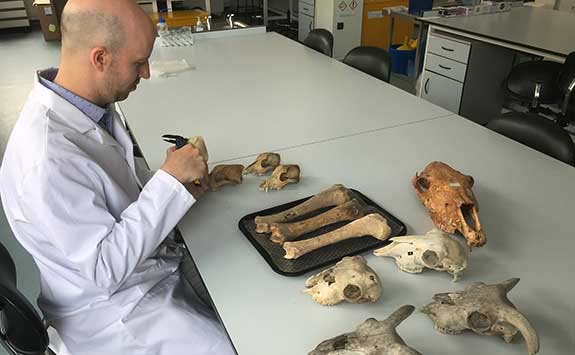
(274, 253)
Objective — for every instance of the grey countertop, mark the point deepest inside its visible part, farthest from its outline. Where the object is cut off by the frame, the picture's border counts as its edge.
(254, 93)
(526, 204)
(263, 92)
(535, 28)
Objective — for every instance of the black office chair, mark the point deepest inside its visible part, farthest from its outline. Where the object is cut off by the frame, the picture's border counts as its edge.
(22, 331)
(321, 40)
(370, 60)
(542, 82)
(537, 132)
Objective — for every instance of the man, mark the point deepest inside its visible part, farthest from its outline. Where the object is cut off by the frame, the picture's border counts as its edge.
(101, 238)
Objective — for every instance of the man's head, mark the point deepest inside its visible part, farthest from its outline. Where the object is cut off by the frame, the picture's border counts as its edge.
(105, 47)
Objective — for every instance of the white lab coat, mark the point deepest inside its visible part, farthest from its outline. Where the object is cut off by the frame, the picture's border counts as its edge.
(110, 278)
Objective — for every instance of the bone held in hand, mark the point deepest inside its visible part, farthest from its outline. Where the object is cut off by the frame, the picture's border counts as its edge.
(349, 211)
(335, 195)
(373, 224)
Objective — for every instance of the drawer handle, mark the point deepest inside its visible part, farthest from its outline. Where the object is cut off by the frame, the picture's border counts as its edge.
(306, 9)
(447, 49)
(444, 67)
(425, 86)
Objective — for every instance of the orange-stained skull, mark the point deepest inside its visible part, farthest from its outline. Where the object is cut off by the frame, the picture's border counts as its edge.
(447, 195)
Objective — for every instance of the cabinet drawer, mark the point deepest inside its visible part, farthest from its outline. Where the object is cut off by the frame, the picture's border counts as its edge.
(306, 8)
(449, 48)
(11, 4)
(14, 23)
(441, 91)
(446, 67)
(9, 14)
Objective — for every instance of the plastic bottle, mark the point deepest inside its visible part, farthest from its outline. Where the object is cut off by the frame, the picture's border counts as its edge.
(162, 26)
(199, 25)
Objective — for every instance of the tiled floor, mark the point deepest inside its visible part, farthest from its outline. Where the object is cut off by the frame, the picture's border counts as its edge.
(21, 55)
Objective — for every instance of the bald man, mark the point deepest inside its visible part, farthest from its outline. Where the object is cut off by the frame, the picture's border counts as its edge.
(100, 234)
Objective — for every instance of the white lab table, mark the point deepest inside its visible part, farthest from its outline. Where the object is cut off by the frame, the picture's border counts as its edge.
(256, 93)
(526, 206)
(542, 32)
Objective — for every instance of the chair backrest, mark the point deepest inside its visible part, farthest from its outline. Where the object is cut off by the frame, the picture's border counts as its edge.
(370, 60)
(321, 40)
(522, 82)
(22, 331)
(566, 84)
(538, 133)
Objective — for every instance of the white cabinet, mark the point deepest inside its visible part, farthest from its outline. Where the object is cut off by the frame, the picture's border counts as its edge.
(13, 14)
(442, 91)
(306, 9)
(343, 19)
(305, 25)
(445, 67)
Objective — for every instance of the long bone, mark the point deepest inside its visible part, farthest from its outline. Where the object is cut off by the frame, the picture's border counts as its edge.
(373, 224)
(335, 195)
(349, 211)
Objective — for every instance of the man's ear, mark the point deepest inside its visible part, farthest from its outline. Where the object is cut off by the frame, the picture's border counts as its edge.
(100, 58)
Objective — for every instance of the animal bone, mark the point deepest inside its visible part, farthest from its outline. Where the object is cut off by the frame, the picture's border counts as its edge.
(373, 224)
(281, 176)
(485, 309)
(447, 195)
(226, 175)
(264, 163)
(281, 232)
(372, 337)
(199, 143)
(434, 250)
(335, 195)
(349, 280)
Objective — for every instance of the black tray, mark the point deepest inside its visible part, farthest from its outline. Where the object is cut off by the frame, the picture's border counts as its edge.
(274, 253)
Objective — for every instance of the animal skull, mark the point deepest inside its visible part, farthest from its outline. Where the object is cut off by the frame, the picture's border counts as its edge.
(484, 309)
(264, 163)
(434, 250)
(282, 232)
(349, 280)
(447, 195)
(372, 337)
(373, 224)
(281, 176)
(226, 175)
(334, 196)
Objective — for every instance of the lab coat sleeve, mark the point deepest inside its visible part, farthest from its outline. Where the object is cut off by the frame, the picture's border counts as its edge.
(66, 200)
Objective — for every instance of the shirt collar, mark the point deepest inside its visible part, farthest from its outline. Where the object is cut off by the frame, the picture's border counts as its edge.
(93, 111)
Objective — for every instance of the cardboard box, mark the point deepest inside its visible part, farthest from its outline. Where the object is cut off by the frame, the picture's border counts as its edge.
(48, 20)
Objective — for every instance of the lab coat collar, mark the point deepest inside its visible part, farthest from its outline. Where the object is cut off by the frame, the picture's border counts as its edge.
(74, 118)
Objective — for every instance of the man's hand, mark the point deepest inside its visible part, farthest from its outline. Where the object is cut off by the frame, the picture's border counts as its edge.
(187, 165)
(197, 190)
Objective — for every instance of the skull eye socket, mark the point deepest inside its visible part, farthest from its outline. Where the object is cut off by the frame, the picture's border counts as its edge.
(467, 213)
(290, 173)
(479, 321)
(430, 258)
(422, 184)
(352, 292)
(329, 278)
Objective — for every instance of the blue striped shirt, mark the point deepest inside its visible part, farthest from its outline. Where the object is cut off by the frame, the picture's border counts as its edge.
(102, 116)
